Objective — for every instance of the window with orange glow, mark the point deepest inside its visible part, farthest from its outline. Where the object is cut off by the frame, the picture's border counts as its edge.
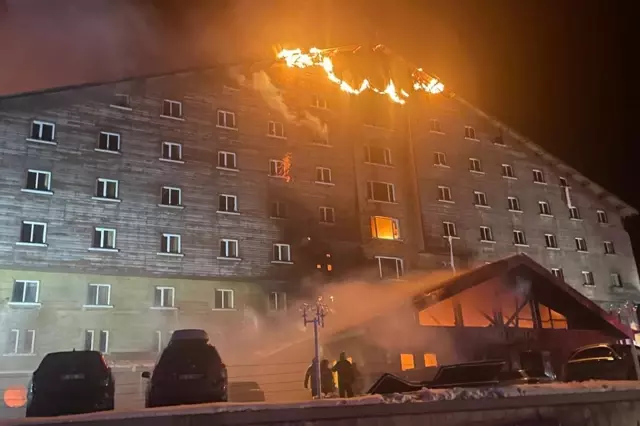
(385, 228)
(430, 360)
(551, 318)
(439, 315)
(407, 362)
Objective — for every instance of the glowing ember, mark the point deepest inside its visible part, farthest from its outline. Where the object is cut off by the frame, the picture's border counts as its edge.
(295, 58)
(286, 167)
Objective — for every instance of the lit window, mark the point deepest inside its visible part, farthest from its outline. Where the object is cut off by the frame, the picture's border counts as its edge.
(38, 180)
(434, 126)
(486, 234)
(574, 213)
(277, 301)
(223, 299)
(430, 360)
(276, 129)
(26, 292)
(390, 267)
(104, 238)
(407, 362)
(109, 142)
(602, 216)
(514, 204)
(439, 159)
(381, 191)
(449, 229)
(470, 133)
(327, 214)
(587, 277)
(519, 238)
(507, 171)
(609, 247)
(385, 228)
(544, 208)
(581, 244)
(444, 194)
(480, 199)
(99, 295)
(171, 196)
(377, 155)
(276, 168)
(43, 131)
(171, 109)
(170, 244)
(33, 233)
(475, 165)
(227, 203)
(282, 253)
(227, 119)
(550, 241)
(323, 175)
(107, 189)
(164, 297)
(538, 176)
(171, 151)
(227, 160)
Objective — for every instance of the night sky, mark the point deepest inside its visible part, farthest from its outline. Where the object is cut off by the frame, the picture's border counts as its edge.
(563, 73)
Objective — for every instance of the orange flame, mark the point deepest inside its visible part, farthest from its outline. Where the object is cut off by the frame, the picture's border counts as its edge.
(295, 58)
(286, 167)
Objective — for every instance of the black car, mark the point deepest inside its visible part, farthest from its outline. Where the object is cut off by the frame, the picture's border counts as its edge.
(607, 361)
(189, 371)
(73, 382)
(246, 392)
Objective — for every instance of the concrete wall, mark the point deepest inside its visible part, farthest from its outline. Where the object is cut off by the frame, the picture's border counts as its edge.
(615, 408)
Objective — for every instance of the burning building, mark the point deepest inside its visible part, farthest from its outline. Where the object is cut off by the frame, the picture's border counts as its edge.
(216, 198)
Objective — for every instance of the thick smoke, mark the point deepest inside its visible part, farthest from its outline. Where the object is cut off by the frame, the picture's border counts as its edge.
(271, 94)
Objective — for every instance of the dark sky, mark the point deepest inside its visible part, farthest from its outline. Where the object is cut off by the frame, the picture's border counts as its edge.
(560, 72)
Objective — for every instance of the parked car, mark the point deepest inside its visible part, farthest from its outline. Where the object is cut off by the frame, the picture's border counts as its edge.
(607, 361)
(72, 382)
(189, 371)
(522, 377)
(245, 392)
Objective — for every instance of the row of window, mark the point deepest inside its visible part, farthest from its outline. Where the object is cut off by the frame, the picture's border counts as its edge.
(520, 239)
(27, 292)
(104, 239)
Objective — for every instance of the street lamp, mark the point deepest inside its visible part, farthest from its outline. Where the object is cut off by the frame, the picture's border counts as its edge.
(315, 313)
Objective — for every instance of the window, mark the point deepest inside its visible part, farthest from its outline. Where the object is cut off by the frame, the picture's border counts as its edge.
(544, 208)
(609, 247)
(323, 175)
(551, 241)
(278, 210)
(444, 194)
(107, 188)
(385, 228)
(171, 109)
(469, 132)
(159, 341)
(227, 203)
(276, 129)
(109, 142)
(587, 278)
(376, 155)
(277, 301)
(26, 292)
(475, 165)
(564, 183)
(449, 229)
(276, 168)
(228, 249)
(104, 238)
(486, 234)
(381, 191)
(171, 196)
(558, 273)
(407, 362)
(88, 340)
(480, 199)
(21, 343)
(103, 341)
(390, 267)
(616, 280)
(581, 244)
(434, 125)
(281, 253)
(38, 180)
(226, 119)
(33, 233)
(327, 215)
(318, 102)
(538, 176)
(227, 160)
(121, 101)
(164, 297)
(519, 238)
(514, 204)
(171, 243)
(602, 216)
(499, 140)
(99, 295)
(439, 159)
(574, 213)
(171, 151)
(223, 299)
(430, 360)
(43, 131)
(507, 171)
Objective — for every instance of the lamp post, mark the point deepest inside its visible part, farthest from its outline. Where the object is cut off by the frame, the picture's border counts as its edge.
(315, 313)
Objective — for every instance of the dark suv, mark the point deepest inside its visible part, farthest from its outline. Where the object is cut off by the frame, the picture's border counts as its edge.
(70, 383)
(189, 371)
(607, 361)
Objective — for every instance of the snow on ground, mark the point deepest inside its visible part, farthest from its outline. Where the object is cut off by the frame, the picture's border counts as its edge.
(425, 395)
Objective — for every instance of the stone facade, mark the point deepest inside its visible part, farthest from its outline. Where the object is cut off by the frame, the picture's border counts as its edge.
(228, 135)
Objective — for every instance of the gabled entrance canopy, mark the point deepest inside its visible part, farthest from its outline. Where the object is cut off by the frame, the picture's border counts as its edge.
(502, 292)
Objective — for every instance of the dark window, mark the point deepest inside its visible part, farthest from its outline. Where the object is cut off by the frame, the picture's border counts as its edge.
(278, 210)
